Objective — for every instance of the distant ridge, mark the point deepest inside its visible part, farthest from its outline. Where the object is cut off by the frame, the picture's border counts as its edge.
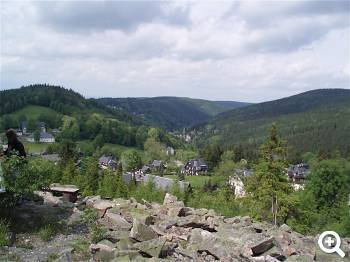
(171, 113)
(311, 121)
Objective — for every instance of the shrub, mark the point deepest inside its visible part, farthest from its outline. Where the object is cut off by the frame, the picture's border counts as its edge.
(3, 233)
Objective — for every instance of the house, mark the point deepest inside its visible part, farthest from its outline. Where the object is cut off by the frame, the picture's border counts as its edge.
(237, 184)
(298, 173)
(24, 127)
(170, 151)
(19, 132)
(44, 138)
(156, 165)
(106, 162)
(41, 126)
(195, 167)
(236, 181)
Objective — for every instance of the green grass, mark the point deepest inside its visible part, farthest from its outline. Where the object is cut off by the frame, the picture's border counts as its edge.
(195, 181)
(33, 112)
(35, 147)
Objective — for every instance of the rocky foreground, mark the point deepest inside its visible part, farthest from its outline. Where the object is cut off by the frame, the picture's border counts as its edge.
(172, 232)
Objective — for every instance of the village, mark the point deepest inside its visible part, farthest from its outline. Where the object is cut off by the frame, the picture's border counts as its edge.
(156, 170)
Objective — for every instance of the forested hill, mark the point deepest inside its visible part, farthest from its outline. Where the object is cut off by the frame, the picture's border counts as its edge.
(64, 101)
(77, 118)
(317, 120)
(171, 112)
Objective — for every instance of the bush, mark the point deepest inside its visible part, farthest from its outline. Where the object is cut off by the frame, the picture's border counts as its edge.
(3, 233)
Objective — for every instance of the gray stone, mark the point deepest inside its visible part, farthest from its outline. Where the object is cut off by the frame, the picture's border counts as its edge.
(152, 247)
(101, 206)
(142, 232)
(117, 221)
(169, 199)
(262, 246)
(115, 236)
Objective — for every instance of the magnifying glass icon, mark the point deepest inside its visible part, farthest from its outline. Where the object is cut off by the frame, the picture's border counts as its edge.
(331, 243)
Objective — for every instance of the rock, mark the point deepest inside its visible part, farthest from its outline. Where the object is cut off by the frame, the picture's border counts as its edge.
(117, 221)
(152, 247)
(102, 205)
(175, 211)
(141, 232)
(246, 221)
(91, 200)
(115, 236)
(262, 246)
(166, 224)
(285, 228)
(103, 251)
(169, 199)
(146, 203)
(233, 220)
(49, 198)
(195, 221)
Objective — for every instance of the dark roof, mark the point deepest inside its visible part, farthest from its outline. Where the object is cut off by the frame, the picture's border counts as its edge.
(44, 135)
(108, 160)
(157, 163)
(41, 124)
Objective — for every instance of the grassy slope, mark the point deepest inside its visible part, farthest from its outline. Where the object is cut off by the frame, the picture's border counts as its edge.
(32, 112)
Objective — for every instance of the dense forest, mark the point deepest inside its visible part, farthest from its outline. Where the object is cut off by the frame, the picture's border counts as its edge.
(78, 118)
(316, 121)
(171, 113)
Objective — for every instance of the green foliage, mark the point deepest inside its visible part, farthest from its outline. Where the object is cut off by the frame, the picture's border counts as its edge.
(97, 233)
(112, 185)
(36, 136)
(154, 149)
(171, 112)
(212, 155)
(89, 176)
(309, 122)
(3, 233)
(23, 176)
(323, 205)
(329, 183)
(130, 160)
(90, 216)
(98, 141)
(268, 188)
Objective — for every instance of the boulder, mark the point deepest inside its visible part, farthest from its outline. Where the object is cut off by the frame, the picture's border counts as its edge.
(142, 232)
(115, 236)
(101, 206)
(262, 246)
(152, 247)
(233, 220)
(285, 228)
(90, 200)
(49, 198)
(103, 251)
(246, 221)
(169, 199)
(117, 221)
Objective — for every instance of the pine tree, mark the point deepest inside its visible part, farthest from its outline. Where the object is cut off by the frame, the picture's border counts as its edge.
(269, 187)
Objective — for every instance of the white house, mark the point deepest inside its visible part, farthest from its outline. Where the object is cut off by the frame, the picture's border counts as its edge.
(44, 138)
(237, 184)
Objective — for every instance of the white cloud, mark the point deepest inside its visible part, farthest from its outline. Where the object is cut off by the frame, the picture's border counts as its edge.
(251, 51)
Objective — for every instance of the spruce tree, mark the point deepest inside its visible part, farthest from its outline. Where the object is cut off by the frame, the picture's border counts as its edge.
(269, 188)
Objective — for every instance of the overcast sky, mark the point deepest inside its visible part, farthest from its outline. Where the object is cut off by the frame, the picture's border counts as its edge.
(245, 51)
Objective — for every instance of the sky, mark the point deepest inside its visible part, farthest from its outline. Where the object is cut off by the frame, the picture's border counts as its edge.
(249, 51)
